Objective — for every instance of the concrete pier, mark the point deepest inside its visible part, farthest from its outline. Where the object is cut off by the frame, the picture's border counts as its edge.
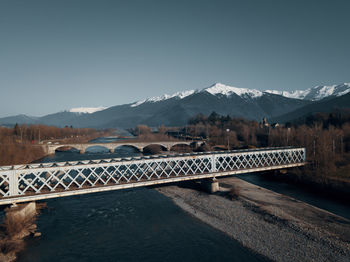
(211, 185)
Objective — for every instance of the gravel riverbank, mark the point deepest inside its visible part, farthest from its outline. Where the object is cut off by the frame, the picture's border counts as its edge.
(275, 226)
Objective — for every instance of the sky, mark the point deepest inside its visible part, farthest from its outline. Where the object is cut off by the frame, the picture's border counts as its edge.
(56, 55)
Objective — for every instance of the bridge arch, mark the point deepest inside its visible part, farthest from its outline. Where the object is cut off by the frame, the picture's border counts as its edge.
(138, 149)
(154, 148)
(65, 148)
(97, 149)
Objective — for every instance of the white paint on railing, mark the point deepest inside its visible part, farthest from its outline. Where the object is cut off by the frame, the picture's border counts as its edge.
(22, 183)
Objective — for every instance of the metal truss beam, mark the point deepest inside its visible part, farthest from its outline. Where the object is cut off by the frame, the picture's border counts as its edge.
(31, 182)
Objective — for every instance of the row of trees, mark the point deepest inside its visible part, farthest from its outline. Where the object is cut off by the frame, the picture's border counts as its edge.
(337, 118)
(18, 145)
(145, 133)
(325, 136)
(35, 133)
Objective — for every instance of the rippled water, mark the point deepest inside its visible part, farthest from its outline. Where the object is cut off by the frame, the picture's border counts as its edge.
(125, 225)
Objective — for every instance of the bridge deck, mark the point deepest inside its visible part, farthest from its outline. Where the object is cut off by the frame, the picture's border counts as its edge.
(31, 182)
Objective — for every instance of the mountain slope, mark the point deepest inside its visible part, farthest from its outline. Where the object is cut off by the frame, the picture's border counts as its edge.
(20, 119)
(316, 93)
(326, 105)
(177, 108)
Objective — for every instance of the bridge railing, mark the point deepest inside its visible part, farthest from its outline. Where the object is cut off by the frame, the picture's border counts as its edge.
(45, 178)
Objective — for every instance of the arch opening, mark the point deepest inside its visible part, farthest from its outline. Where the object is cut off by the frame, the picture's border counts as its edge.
(127, 150)
(97, 149)
(66, 149)
(153, 149)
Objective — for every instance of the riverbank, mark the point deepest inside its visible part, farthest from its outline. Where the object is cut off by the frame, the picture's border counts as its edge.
(24, 149)
(19, 223)
(334, 187)
(275, 226)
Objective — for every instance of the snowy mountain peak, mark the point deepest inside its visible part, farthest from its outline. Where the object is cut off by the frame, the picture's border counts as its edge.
(89, 110)
(215, 89)
(321, 92)
(179, 95)
(222, 89)
(313, 94)
(298, 94)
(316, 93)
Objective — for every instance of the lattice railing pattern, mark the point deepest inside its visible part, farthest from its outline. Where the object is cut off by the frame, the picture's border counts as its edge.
(54, 177)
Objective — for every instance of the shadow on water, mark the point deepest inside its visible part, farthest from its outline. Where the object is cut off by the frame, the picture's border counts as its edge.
(125, 225)
(129, 225)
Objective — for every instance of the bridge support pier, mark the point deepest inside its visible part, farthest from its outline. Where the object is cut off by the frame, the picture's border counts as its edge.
(82, 151)
(211, 185)
(111, 151)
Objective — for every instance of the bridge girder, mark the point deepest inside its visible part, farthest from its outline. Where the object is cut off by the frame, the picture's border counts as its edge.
(30, 182)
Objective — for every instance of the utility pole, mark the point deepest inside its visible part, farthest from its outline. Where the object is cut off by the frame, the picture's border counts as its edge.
(207, 132)
(314, 146)
(39, 134)
(228, 139)
(341, 144)
(21, 134)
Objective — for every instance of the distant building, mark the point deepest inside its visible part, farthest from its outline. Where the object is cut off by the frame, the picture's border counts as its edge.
(274, 125)
(264, 123)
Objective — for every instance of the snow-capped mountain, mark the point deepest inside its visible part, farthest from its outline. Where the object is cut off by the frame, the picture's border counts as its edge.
(217, 89)
(221, 89)
(87, 110)
(176, 109)
(179, 95)
(312, 94)
(316, 93)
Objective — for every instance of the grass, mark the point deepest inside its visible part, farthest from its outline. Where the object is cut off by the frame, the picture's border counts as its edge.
(15, 225)
(13, 231)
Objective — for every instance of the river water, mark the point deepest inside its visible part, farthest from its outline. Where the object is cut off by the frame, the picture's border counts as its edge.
(125, 225)
(140, 224)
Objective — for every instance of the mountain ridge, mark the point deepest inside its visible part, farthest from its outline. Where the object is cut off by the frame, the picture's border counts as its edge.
(176, 109)
(312, 94)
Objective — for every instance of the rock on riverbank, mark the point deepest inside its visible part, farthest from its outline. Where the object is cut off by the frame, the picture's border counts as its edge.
(278, 227)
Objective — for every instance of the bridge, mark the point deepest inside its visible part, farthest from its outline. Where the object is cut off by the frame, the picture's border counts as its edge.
(166, 145)
(23, 183)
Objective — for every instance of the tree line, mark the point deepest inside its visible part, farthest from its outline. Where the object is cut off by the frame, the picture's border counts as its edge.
(19, 145)
(326, 137)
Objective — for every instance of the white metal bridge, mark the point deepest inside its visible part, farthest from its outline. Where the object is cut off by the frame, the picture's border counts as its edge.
(22, 183)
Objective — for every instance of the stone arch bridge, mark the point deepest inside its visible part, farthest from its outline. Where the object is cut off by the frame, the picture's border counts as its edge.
(167, 145)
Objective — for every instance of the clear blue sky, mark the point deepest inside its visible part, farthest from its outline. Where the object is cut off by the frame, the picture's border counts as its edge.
(55, 55)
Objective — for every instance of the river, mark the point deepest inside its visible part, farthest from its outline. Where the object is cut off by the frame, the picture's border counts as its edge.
(125, 225)
(140, 224)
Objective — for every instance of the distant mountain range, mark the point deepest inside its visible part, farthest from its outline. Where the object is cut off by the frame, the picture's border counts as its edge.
(176, 109)
(316, 93)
